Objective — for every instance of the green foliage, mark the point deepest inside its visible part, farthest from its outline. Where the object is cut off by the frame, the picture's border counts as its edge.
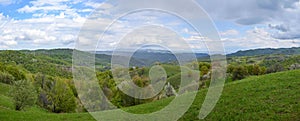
(201, 64)
(55, 94)
(230, 68)
(61, 97)
(141, 71)
(175, 80)
(275, 68)
(267, 51)
(171, 70)
(254, 98)
(255, 69)
(250, 69)
(16, 72)
(36, 62)
(239, 73)
(23, 94)
(2, 67)
(5, 89)
(263, 70)
(204, 70)
(54, 66)
(116, 96)
(6, 78)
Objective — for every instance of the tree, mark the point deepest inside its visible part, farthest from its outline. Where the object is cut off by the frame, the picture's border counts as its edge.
(61, 97)
(139, 81)
(2, 67)
(275, 68)
(256, 70)
(239, 73)
(23, 94)
(6, 78)
(203, 70)
(16, 72)
(141, 71)
(230, 68)
(250, 69)
(263, 70)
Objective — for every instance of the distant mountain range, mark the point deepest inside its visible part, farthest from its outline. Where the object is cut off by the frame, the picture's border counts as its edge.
(267, 51)
(147, 57)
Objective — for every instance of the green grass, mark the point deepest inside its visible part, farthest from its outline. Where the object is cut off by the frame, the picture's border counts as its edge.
(10, 115)
(5, 101)
(171, 69)
(4, 89)
(268, 97)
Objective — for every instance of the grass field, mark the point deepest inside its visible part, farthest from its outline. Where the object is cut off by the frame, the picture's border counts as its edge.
(268, 97)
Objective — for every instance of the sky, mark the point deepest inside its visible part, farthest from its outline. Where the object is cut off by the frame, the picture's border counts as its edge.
(241, 24)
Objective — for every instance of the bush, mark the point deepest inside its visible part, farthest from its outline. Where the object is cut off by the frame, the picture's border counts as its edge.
(204, 70)
(55, 94)
(61, 97)
(23, 94)
(275, 68)
(239, 73)
(16, 72)
(256, 70)
(6, 78)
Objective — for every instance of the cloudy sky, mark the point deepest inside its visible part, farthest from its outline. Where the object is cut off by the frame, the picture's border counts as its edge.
(241, 24)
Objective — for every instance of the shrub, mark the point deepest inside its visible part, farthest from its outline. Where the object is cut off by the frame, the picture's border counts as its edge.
(23, 94)
(16, 72)
(204, 70)
(256, 70)
(6, 78)
(275, 68)
(239, 73)
(61, 97)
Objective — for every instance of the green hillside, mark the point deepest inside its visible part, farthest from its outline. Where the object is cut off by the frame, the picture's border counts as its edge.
(267, 51)
(268, 97)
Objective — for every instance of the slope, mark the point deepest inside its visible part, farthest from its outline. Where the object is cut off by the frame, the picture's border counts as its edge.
(268, 97)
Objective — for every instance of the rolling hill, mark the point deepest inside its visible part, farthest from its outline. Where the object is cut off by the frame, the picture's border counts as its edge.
(267, 51)
(268, 97)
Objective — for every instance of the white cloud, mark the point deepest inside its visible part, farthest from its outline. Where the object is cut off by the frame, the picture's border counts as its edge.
(28, 9)
(3, 20)
(96, 5)
(153, 35)
(47, 31)
(231, 32)
(85, 10)
(257, 38)
(41, 8)
(56, 23)
(45, 6)
(8, 40)
(62, 29)
(280, 13)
